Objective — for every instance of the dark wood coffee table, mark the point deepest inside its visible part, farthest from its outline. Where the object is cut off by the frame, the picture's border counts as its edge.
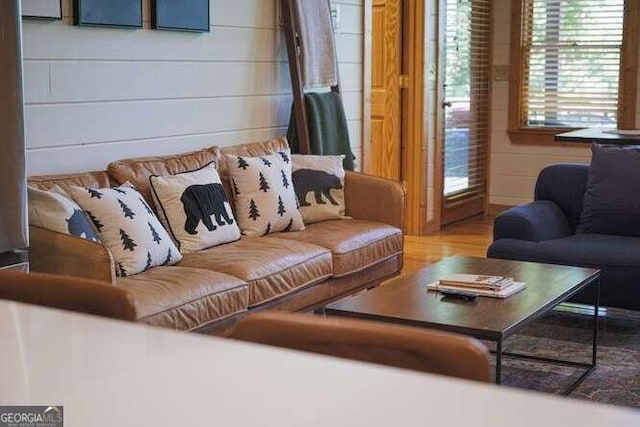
(405, 300)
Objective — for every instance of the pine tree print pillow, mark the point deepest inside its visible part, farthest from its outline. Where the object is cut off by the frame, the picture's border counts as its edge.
(319, 185)
(128, 227)
(194, 208)
(263, 194)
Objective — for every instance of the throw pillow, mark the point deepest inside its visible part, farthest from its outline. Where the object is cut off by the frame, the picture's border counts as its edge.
(611, 204)
(194, 208)
(263, 194)
(128, 227)
(319, 185)
(55, 211)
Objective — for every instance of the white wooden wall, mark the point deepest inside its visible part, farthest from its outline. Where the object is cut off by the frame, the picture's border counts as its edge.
(94, 95)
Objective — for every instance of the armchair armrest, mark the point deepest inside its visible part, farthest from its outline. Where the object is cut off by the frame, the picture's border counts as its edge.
(535, 221)
(57, 253)
(373, 198)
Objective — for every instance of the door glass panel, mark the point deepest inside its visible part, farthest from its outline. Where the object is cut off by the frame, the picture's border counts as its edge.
(466, 63)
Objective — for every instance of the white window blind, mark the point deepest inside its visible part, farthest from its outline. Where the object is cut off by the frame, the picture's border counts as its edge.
(572, 62)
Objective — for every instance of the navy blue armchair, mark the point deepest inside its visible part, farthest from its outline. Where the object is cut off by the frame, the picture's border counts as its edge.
(545, 231)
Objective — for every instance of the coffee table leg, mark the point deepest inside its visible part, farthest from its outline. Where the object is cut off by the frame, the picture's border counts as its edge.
(499, 361)
(596, 313)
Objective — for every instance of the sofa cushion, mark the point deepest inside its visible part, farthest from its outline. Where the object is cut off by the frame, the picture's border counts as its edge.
(319, 185)
(354, 244)
(271, 267)
(184, 298)
(264, 199)
(98, 179)
(253, 149)
(194, 209)
(586, 250)
(128, 227)
(138, 170)
(56, 211)
(612, 203)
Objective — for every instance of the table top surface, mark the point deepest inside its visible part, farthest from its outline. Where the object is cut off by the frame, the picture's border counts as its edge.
(405, 299)
(112, 373)
(590, 135)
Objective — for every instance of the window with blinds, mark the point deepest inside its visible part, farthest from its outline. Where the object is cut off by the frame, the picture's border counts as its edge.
(467, 58)
(571, 52)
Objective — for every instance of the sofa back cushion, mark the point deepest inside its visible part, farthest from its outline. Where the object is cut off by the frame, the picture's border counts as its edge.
(612, 202)
(565, 185)
(138, 170)
(97, 179)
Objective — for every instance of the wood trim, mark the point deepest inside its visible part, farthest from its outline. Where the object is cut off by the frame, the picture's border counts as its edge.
(414, 161)
(516, 68)
(535, 136)
(365, 158)
(487, 160)
(627, 91)
(459, 210)
(438, 149)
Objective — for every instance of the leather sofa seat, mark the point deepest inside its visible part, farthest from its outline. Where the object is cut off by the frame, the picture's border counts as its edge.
(271, 267)
(184, 298)
(354, 244)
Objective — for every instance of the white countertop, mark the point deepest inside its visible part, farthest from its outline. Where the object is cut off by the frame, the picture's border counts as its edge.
(111, 373)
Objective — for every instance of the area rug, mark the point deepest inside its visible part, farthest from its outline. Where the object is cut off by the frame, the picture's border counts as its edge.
(616, 379)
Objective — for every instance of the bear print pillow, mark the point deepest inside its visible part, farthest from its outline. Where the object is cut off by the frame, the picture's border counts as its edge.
(194, 208)
(263, 194)
(128, 227)
(319, 185)
(54, 211)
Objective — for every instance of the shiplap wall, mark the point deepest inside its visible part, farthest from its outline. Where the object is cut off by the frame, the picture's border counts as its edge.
(94, 95)
(515, 167)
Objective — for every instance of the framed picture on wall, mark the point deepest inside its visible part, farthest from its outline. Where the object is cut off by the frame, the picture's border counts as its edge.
(185, 15)
(44, 9)
(111, 13)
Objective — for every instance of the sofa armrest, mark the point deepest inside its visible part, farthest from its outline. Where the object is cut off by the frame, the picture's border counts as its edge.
(375, 199)
(535, 221)
(57, 253)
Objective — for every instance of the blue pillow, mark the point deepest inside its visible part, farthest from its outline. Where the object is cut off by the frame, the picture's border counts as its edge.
(611, 204)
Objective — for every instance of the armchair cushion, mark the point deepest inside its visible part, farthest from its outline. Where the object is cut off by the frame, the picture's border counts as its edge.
(611, 203)
(585, 250)
(535, 221)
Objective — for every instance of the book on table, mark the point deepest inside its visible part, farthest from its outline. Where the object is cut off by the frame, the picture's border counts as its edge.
(483, 285)
(476, 281)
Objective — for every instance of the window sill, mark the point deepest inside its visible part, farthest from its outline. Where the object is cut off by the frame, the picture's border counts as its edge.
(540, 136)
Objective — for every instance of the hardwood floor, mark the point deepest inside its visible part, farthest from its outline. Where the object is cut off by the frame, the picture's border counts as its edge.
(471, 238)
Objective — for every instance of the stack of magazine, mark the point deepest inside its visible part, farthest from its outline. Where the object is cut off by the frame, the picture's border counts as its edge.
(483, 285)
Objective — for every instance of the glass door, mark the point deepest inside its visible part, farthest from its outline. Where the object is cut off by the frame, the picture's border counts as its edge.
(465, 62)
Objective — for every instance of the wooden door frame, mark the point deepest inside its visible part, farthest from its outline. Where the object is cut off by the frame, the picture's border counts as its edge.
(413, 157)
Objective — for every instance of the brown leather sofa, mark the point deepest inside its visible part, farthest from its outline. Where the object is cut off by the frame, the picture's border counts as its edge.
(208, 290)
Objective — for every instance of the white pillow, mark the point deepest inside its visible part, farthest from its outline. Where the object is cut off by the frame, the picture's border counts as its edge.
(55, 211)
(263, 193)
(128, 227)
(319, 185)
(194, 209)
